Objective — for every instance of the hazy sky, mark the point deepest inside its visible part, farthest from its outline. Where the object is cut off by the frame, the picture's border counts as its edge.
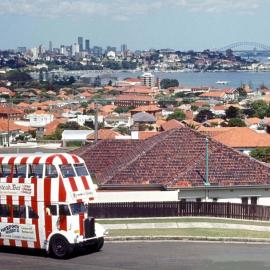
(142, 24)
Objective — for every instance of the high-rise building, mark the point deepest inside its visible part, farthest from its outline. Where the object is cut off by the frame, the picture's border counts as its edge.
(50, 46)
(149, 79)
(75, 49)
(124, 50)
(80, 42)
(87, 45)
(97, 51)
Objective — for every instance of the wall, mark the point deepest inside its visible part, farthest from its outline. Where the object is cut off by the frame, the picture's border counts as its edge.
(232, 195)
(136, 196)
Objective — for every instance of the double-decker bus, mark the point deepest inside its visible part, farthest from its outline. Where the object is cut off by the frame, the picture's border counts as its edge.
(43, 203)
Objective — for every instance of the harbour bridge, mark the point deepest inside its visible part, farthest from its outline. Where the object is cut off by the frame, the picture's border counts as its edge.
(244, 45)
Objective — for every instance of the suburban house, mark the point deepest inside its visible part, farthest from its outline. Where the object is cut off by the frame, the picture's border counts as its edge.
(173, 166)
(217, 96)
(116, 120)
(133, 100)
(242, 139)
(75, 136)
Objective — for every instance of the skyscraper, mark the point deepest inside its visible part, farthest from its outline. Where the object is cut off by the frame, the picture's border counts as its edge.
(87, 45)
(50, 46)
(124, 49)
(80, 42)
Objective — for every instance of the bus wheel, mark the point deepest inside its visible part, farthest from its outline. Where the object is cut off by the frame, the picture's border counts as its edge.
(60, 247)
(99, 244)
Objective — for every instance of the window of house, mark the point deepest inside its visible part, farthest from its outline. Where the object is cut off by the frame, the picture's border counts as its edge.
(244, 200)
(5, 170)
(19, 211)
(50, 171)
(215, 199)
(198, 200)
(254, 200)
(183, 200)
(19, 171)
(36, 170)
(4, 210)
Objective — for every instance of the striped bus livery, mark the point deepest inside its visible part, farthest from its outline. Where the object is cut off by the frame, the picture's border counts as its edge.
(43, 203)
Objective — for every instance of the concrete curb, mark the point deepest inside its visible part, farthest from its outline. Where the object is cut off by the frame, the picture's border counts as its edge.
(188, 239)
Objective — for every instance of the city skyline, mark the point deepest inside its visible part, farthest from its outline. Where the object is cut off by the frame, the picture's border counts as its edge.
(176, 24)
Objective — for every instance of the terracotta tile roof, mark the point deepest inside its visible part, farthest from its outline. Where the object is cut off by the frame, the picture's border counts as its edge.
(4, 126)
(108, 108)
(5, 109)
(252, 121)
(51, 127)
(213, 94)
(243, 137)
(104, 134)
(171, 124)
(139, 90)
(143, 135)
(6, 91)
(175, 158)
(148, 108)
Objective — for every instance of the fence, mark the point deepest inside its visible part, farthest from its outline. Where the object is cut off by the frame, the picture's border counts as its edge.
(179, 209)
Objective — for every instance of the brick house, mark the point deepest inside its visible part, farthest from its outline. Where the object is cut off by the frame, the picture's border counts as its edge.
(133, 100)
(174, 162)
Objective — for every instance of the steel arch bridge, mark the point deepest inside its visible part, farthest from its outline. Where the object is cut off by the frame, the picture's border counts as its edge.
(236, 45)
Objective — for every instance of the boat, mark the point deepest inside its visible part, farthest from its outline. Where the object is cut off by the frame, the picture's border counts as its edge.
(222, 82)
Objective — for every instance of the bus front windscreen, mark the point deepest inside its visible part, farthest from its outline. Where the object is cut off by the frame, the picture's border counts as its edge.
(78, 208)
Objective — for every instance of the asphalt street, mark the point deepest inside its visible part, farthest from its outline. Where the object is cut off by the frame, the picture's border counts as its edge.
(148, 256)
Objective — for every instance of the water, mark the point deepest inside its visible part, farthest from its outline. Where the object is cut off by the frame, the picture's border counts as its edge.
(235, 79)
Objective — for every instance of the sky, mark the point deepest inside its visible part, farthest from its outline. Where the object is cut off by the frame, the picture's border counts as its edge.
(141, 24)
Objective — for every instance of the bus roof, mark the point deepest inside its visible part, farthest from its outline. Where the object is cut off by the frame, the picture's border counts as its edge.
(40, 158)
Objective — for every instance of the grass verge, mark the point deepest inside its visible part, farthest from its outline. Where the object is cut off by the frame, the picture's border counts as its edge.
(191, 232)
(165, 220)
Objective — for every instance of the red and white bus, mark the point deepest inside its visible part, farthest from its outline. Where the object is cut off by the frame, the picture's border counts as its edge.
(43, 203)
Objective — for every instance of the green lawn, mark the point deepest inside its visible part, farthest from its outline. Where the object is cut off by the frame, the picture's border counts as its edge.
(185, 219)
(190, 232)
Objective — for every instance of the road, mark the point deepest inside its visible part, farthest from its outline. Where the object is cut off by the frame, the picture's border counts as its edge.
(148, 256)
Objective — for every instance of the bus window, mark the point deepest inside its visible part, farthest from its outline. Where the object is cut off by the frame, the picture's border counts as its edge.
(80, 169)
(5, 170)
(19, 211)
(50, 171)
(4, 210)
(67, 171)
(19, 171)
(51, 210)
(36, 170)
(64, 210)
(32, 213)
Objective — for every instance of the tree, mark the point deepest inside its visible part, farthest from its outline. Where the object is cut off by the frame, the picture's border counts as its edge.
(261, 108)
(262, 154)
(232, 112)
(242, 92)
(167, 83)
(204, 115)
(177, 115)
(123, 110)
(70, 126)
(236, 122)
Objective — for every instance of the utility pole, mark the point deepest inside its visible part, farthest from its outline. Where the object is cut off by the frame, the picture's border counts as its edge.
(207, 162)
(96, 122)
